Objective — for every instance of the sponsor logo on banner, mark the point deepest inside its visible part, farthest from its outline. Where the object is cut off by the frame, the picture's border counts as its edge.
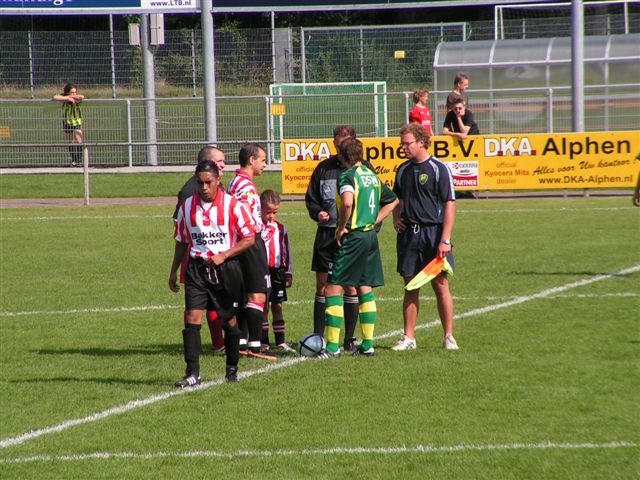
(492, 162)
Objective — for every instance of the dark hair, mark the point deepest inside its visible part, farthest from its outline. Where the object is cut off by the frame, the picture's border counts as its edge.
(455, 99)
(344, 131)
(67, 88)
(459, 77)
(419, 133)
(247, 151)
(269, 197)
(205, 153)
(351, 151)
(208, 166)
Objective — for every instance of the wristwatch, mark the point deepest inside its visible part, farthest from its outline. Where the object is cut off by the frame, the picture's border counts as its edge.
(446, 241)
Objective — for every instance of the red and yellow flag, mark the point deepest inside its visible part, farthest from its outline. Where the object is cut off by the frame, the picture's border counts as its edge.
(430, 271)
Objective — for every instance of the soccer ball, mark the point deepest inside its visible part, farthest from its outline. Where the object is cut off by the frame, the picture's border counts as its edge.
(312, 344)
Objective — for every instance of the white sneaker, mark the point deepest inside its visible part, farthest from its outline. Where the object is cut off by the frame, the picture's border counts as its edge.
(450, 343)
(285, 347)
(405, 343)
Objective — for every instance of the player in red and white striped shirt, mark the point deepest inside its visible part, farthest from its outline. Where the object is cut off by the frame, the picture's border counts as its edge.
(278, 247)
(215, 229)
(253, 160)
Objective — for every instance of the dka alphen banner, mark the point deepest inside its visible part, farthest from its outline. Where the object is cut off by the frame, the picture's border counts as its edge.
(492, 162)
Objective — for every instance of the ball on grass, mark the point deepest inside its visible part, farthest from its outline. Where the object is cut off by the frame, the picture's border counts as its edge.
(312, 344)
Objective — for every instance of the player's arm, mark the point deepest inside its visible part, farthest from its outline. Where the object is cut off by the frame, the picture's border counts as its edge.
(388, 202)
(178, 255)
(447, 228)
(64, 98)
(346, 208)
(242, 245)
(288, 274)
(312, 199)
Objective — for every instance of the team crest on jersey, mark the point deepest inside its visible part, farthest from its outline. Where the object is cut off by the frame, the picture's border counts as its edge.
(423, 178)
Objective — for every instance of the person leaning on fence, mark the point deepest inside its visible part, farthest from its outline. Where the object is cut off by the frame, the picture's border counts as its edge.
(460, 87)
(320, 200)
(214, 228)
(424, 221)
(420, 113)
(72, 121)
(459, 122)
(188, 189)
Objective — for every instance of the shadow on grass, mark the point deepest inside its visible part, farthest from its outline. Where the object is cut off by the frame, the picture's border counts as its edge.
(104, 380)
(160, 349)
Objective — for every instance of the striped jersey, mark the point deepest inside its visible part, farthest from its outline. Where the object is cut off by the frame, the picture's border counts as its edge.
(211, 228)
(243, 188)
(72, 114)
(276, 240)
(369, 193)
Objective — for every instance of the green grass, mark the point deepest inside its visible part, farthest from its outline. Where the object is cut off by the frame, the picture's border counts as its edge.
(112, 185)
(87, 323)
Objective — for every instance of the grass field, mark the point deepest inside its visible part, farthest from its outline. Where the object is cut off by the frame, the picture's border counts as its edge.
(545, 385)
(113, 185)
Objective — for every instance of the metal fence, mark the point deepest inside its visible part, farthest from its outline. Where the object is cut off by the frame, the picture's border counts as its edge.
(248, 60)
(115, 129)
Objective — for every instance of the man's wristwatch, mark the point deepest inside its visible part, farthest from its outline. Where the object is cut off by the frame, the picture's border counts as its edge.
(446, 241)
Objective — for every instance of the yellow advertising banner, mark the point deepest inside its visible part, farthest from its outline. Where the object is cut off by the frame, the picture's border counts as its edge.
(492, 162)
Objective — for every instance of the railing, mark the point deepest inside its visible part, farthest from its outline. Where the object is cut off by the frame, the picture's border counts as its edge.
(115, 128)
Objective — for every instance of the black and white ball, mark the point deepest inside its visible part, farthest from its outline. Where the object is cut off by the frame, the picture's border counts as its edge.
(312, 344)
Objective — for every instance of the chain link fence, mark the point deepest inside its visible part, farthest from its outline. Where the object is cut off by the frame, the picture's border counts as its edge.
(116, 135)
(249, 60)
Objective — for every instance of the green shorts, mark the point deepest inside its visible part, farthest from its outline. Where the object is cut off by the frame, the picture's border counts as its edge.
(358, 261)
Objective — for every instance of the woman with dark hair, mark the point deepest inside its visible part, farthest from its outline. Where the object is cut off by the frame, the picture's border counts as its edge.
(72, 121)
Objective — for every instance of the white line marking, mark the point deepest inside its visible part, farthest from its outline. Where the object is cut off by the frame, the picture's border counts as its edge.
(320, 451)
(163, 396)
(110, 217)
(144, 308)
(296, 214)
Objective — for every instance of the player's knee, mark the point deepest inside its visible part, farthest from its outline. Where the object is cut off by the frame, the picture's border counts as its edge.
(230, 327)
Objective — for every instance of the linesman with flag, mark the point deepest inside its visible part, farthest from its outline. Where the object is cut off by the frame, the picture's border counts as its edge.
(424, 221)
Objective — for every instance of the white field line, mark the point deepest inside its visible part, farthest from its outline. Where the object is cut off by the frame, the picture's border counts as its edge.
(296, 214)
(418, 449)
(145, 308)
(25, 437)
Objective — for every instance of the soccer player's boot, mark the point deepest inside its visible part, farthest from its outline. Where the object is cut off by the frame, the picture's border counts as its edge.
(326, 354)
(232, 374)
(449, 343)
(349, 345)
(360, 352)
(405, 343)
(189, 380)
(263, 355)
(285, 348)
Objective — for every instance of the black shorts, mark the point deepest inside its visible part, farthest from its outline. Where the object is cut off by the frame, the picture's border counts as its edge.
(209, 288)
(278, 292)
(325, 249)
(255, 268)
(416, 246)
(70, 128)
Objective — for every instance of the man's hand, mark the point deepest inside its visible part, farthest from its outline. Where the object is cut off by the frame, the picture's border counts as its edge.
(323, 217)
(173, 282)
(399, 225)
